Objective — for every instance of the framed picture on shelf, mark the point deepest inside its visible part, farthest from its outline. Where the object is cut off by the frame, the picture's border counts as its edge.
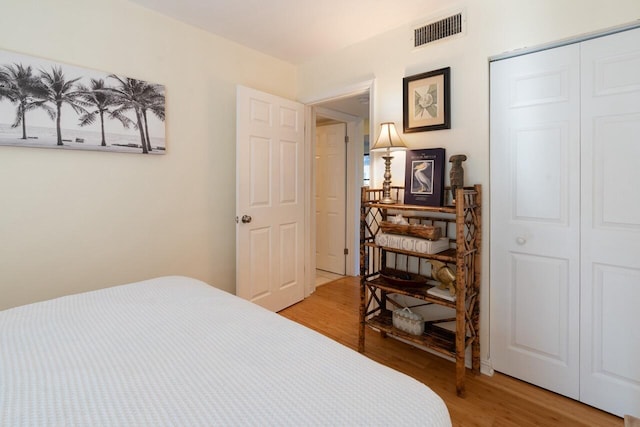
(426, 101)
(424, 177)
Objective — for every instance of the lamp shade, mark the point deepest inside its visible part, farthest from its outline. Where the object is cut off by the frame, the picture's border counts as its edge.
(388, 138)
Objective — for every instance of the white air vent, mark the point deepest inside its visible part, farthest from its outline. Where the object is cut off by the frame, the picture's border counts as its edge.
(439, 29)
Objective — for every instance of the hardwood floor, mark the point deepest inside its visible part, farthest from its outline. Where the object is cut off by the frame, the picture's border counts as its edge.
(490, 401)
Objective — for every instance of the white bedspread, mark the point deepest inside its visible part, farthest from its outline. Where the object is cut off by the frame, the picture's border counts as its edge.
(174, 351)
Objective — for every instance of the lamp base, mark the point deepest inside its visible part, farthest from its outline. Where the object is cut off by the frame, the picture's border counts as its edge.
(386, 186)
(388, 201)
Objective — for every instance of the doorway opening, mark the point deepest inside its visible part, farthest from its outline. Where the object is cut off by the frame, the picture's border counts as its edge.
(338, 176)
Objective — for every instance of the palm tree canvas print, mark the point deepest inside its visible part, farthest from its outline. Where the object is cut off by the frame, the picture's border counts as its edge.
(50, 105)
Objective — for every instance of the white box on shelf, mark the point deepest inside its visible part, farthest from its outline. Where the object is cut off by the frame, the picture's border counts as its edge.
(408, 321)
(414, 244)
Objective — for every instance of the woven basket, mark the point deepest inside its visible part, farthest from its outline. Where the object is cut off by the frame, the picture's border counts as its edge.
(428, 232)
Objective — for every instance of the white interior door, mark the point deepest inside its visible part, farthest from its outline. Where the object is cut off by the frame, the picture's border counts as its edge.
(330, 170)
(270, 199)
(610, 327)
(535, 222)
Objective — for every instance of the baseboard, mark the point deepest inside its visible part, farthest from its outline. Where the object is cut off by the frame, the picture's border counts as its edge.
(486, 368)
(630, 421)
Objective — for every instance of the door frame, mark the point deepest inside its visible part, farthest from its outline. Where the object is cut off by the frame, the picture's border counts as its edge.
(355, 157)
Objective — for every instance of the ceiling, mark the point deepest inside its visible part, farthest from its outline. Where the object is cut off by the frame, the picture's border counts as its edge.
(296, 30)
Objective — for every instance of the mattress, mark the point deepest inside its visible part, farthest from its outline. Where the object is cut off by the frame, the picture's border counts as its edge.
(175, 351)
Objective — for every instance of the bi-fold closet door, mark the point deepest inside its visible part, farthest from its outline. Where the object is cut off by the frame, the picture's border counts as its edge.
(565, 220)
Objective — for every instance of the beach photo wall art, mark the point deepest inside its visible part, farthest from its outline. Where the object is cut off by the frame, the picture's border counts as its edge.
(47, 104)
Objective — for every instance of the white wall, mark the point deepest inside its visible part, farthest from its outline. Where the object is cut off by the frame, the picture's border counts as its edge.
(493, 27)
(72, 221)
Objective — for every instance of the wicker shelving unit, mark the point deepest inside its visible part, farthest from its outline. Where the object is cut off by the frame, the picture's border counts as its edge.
(462, 225)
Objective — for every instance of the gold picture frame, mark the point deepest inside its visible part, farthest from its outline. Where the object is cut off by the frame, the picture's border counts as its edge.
(426, 101)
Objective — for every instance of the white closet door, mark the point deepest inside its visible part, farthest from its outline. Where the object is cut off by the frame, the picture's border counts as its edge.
(535, 222)
(610, 312)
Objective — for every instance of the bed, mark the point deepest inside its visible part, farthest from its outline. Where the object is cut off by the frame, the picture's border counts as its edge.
(174, 351)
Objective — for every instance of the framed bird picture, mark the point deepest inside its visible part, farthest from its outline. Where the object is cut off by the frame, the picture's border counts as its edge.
(424, 177)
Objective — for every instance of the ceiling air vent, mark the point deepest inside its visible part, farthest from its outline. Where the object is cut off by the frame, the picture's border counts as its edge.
(438, 30)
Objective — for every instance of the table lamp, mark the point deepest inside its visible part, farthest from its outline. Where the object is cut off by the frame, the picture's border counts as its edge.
(390, 140)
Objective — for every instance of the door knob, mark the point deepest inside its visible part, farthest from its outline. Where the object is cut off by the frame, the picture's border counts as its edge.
(521, 240)
(246, 219)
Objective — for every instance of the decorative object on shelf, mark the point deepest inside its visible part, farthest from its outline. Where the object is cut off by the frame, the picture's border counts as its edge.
(398, 219)
(402, 278)
(411, 244)
(388, 140)
(424, 177)
(441, 293)
(443, 274)
(429, 232)
(426, 101)
(456, 175)
(423, 246)
(408, 321)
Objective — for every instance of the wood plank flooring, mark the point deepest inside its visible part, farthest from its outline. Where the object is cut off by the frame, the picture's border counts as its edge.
(490, 401)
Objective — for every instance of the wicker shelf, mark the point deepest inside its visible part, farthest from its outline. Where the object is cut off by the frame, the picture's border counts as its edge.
(419, 292)
(438, 339)
(465, 235)
(445, 256)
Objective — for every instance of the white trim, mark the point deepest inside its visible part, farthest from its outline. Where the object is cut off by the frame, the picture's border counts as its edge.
(344, 92)
(567, 41)
(486, 368)
(309, 201)
(335, 115)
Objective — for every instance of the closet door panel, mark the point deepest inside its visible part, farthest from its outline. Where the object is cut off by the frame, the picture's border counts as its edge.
(539, 282)
(610, 288)
(615, 153)
(535, 218)
(539, 183)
